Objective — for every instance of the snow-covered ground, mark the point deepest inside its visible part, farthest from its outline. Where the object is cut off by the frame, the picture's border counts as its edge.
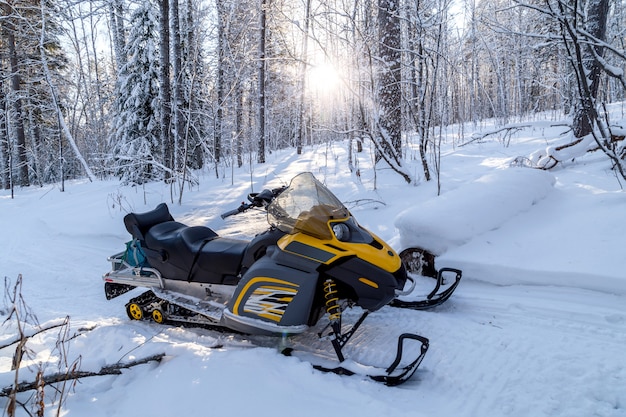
(536, 328)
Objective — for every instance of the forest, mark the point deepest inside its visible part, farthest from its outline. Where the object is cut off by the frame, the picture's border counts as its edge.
(155, 90)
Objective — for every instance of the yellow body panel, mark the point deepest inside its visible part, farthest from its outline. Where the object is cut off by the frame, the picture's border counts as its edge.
(385, 258)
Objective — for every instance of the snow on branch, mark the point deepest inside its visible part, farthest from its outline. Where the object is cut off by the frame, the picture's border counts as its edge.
(74, 374)
(569, 149)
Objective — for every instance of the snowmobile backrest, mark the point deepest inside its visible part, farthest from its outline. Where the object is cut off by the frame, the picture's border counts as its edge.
(138, 224)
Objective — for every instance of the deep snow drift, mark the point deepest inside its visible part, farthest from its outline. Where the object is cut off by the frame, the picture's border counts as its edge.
(536, 328)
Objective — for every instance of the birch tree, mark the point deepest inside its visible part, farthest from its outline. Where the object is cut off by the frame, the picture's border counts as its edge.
(117, 11)
(5, 161)
(178, 81)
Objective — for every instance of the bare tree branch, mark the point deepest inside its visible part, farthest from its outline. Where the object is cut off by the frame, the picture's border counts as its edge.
(115, 369)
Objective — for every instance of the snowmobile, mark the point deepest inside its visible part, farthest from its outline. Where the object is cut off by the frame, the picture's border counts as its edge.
(314, 261)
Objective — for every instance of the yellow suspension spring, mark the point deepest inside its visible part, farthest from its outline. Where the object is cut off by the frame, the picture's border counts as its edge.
(332, 301)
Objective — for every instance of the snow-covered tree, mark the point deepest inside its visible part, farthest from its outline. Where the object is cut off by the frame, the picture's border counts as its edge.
(195, 84)
(11, 36)
(388, 135)
(135, 137)
(32, 60)
(588, 60)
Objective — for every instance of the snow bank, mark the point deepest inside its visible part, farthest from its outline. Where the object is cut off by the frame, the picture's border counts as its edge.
(568, 240)
(457, 216)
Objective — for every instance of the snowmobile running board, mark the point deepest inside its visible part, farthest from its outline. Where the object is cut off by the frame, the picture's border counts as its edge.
(435, 297)
(171, 309)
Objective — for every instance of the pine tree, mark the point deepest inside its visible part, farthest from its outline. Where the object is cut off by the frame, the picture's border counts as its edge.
(135, 136)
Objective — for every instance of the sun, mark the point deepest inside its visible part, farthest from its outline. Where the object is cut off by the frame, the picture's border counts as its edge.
(323, 79)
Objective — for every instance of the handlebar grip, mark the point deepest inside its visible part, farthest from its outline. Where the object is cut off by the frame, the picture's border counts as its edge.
(243, 207)
(230, 213)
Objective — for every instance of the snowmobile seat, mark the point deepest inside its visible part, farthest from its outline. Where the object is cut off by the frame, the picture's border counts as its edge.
(162, 240)
(181, 252)
(219, 261)
(193, 253)
(138, 224)
(194, 237)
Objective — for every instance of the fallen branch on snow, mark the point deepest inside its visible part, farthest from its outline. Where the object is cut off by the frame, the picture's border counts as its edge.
(508, 132)
(51, 326)
(115, 369)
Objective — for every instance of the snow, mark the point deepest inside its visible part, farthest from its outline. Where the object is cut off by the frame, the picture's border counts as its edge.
(477, 207)
(536, 328)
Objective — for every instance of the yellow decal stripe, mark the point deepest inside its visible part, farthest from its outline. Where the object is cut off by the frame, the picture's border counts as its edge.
(368, 282)
(255, 280)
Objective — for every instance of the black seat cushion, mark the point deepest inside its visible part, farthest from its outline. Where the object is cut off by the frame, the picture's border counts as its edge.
(193, 253)
(183, 252)
(167, 252)
(222, 256)
(138, 224)
(194, 237)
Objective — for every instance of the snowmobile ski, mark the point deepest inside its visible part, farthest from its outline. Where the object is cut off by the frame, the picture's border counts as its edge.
(420, 267)
(395, 374)
(442, 291)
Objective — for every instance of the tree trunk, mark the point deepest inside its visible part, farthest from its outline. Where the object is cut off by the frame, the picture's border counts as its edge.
(5, 163)
(239, 122)
(262, 65)
(221, 70)
(418, 94)
(178, 90)
(390, 93)
(585, 116)
(388, 133)
(303, 73)
(166, 105)
(18, 117)
(117, 29)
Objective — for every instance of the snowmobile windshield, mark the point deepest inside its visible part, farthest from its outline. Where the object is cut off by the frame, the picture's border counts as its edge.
(306, 206)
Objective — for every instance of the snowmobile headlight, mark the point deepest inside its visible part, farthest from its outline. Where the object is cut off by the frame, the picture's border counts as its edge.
(341, 231)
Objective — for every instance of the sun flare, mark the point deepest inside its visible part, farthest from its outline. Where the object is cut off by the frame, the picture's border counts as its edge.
(323, 78)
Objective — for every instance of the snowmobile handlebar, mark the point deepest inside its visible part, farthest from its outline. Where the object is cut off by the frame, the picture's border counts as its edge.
(265, 197)
(262, 199)
(243, 207)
